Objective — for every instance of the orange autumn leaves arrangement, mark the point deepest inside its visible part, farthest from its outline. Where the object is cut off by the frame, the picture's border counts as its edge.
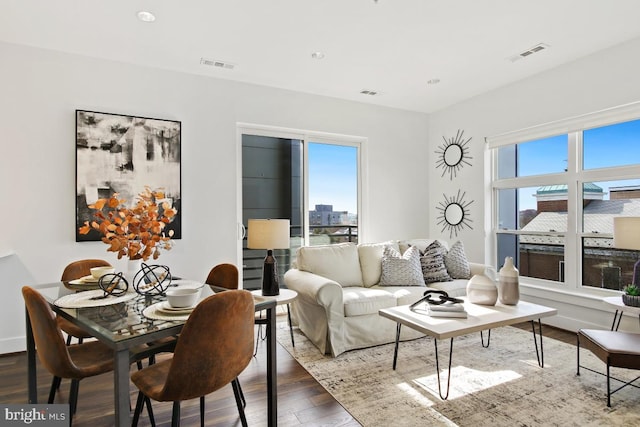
(135, 232)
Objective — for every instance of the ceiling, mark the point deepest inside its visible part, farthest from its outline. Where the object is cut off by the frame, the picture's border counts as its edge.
(392, 47)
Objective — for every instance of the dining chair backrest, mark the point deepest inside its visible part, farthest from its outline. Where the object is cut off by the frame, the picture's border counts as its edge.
(224, 276)
(214, 346)
(50, 344)
(81, 268)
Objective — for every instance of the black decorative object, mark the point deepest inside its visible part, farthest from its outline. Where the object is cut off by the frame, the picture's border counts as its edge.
(113, 284)
(454, 214)
(453, 154)
(152, 279)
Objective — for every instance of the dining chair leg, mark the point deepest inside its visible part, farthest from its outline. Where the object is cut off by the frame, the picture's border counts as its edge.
(152, 419)
(55, 386)
(244, 401)
(201, 411)
(73, 396)
(136, 413)
(175, 415)
(236, 392)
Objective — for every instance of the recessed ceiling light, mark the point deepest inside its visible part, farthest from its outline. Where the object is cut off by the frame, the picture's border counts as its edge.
(145, 16)
(433, 81)
(317, 55)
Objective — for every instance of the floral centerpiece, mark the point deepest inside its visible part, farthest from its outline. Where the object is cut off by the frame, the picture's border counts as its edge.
(137, 232)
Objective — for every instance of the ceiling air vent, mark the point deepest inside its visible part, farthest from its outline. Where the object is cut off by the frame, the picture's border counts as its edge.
(368, 92)
(217, 63)
(535, 49)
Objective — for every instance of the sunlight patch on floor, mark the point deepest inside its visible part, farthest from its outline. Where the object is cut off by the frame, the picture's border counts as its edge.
(414, 394)
(465, 381)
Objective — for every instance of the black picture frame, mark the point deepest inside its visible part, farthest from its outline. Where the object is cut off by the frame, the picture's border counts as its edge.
(117, 153)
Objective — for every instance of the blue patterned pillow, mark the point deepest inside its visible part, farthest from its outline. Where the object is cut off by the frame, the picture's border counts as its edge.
(401, 270)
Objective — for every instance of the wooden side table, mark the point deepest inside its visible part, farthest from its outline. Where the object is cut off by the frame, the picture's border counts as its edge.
(616, 302)
(286, 296)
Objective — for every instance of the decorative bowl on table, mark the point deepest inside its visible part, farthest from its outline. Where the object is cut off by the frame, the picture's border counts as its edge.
(183, 297)
(98, 272)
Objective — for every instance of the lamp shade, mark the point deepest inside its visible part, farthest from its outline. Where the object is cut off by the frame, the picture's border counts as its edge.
(268, 234)
(626, 232)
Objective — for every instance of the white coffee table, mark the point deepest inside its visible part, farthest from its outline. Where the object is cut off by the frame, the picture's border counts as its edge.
(480, 318)
(285, 296)
(616, 302)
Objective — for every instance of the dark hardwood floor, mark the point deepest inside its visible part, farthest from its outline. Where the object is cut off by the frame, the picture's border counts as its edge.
(301, 400)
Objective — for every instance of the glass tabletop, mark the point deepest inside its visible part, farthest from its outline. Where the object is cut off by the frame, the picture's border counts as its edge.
(118, 323)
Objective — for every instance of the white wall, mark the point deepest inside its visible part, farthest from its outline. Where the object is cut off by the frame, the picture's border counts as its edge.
(603, 80)
(40, 91)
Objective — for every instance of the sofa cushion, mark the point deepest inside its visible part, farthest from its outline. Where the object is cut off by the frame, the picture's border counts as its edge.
(454, 288)
(404, 295)
(432, 263)
(401, 270)
(359, 301)
(421, 244)
(371, 260)
(456, 262)
(336, 262)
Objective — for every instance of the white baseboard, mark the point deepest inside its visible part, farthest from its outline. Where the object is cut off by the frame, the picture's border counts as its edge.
(13, 345)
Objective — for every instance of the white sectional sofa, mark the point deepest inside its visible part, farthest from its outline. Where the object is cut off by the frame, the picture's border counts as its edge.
(339, 294)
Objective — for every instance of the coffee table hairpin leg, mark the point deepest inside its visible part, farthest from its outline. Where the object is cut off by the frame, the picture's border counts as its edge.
(488, 339)
(539, 356)
(395, 350)
(435, 342)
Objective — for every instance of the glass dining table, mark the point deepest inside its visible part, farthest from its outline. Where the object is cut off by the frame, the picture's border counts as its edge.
(125, 329)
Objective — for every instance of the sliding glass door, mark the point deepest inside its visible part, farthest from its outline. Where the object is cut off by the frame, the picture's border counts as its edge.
(313, 184)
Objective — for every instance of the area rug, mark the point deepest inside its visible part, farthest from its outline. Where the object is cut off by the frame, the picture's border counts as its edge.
(497, 386)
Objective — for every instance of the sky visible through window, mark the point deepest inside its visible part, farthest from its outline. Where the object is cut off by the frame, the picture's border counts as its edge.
(333, 177)
(608, 146)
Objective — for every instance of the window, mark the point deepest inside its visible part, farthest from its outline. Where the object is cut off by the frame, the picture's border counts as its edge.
(555, 196)
(333, 193)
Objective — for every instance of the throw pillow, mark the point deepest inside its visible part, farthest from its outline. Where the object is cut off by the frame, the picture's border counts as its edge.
(432, 263)
(371, 261)
(456, 262)
(337, 262)
(401, 270)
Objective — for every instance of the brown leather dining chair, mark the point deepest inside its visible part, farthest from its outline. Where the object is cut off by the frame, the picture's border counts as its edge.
(224, 276)
(213, 348)
(74, 362)
(75, 270)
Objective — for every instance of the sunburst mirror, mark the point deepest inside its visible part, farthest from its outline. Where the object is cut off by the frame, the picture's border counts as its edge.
(453, 154)
(454, 214)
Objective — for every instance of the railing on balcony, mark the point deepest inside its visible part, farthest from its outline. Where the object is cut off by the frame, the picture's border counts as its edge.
(253, 259)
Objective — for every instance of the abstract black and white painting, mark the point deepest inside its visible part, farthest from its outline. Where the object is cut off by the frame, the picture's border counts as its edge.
(123, 154)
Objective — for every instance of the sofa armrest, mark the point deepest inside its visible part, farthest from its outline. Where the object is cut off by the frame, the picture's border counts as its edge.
(318, 309)
(477, 268)
(312, 287)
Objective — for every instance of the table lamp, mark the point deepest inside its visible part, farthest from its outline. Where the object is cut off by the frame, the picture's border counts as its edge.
(626, 235)
(268, 234)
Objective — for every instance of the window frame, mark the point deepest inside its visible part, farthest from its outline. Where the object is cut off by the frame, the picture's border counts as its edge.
(574, 177)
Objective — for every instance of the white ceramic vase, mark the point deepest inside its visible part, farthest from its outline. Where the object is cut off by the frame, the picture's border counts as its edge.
(133, 266)
(482, 290)
(508, 283)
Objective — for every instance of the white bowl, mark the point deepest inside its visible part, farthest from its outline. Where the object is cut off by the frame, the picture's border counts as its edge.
(98, 272)
(186, 297)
